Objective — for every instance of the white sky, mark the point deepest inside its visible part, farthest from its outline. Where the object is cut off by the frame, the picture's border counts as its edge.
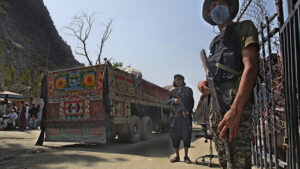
(158, 37)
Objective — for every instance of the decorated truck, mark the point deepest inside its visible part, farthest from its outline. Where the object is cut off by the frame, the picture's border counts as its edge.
(97, 104)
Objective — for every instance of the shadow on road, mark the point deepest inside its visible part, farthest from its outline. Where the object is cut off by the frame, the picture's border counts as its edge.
(159, 146)
(15, 156)
(19, 147)
(43, 158)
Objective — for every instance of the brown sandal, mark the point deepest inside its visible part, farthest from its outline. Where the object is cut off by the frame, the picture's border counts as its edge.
(187, 160)
(175, 159)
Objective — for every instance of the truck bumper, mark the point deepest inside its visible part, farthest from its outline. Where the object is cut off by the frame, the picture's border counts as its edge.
(81, 133)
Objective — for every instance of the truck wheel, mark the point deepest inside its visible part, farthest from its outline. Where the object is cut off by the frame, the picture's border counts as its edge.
(147, 127)
(135, 129)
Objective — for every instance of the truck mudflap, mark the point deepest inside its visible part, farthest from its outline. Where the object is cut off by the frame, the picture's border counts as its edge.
(81, 133)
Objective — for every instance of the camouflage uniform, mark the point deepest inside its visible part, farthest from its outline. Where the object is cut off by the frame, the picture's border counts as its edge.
(240, 147)
(230, 44)
(226, 67)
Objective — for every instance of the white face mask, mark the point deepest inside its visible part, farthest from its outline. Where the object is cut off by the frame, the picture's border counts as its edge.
(220, 14)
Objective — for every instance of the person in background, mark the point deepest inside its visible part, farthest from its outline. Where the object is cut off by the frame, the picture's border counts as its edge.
(3, 106)
(32, 123)
(10, 118)
(16, 108)
(182, 100)
(33, 111)
(27, 115)
(23, 121)
(39, 114)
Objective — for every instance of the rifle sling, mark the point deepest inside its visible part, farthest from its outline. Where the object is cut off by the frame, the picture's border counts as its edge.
(228, 69)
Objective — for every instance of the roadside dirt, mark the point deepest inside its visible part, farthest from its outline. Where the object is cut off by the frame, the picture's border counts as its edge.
(17, 150)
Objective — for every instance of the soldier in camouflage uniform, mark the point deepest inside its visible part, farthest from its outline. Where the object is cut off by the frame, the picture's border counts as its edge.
(233, 61)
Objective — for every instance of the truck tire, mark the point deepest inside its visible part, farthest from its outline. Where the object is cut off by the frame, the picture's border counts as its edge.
(135, 129)
(147, 128)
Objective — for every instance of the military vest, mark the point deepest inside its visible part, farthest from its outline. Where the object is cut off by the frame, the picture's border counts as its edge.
(225, 58)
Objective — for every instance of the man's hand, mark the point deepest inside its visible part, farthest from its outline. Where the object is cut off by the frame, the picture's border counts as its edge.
(185, 114)
(230, 121)
(202, 86)
(176, 101)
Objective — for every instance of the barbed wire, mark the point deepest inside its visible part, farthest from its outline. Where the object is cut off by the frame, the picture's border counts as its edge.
(254, 10)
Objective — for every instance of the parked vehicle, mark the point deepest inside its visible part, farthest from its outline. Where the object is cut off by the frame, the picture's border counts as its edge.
(98, 103)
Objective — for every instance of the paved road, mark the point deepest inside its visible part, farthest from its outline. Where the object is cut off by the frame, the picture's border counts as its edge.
(17, 150)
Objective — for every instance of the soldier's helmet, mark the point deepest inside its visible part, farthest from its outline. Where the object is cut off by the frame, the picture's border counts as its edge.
(206, 10)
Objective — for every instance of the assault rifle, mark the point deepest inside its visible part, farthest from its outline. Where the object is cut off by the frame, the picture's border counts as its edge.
(178, 112)
(215, 98)
(179, 109)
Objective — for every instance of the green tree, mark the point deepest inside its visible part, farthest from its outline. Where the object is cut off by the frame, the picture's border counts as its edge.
(36, 86)
(8, 78)
(25, 78)
(8, 74)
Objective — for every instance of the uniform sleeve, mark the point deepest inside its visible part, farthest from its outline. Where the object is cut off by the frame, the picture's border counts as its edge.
(248, 34)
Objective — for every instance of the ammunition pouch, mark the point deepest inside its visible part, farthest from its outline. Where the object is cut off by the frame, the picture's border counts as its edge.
(225, 60)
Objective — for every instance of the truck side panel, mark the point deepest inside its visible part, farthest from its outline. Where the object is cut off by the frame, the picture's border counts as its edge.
(132, 97)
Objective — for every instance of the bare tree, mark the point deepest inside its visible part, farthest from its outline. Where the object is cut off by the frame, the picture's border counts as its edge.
(104, 37)
(80, 28)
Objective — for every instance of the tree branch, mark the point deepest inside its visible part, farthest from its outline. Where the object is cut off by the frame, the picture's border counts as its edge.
(104, 37)
(80, 28)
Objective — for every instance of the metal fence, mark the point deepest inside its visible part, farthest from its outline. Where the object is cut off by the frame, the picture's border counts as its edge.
(268, 110)
(276, 113)
(290, 44)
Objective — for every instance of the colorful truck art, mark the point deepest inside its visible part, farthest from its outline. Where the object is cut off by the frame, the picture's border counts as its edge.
(61, 84)
(75, 109)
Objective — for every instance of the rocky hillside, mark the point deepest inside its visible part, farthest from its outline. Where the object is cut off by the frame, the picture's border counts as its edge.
(28, 37)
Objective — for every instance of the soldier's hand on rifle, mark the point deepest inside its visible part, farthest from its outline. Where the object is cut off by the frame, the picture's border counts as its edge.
(185, 114)
(176, 101)
(203, 87)
(230, 122)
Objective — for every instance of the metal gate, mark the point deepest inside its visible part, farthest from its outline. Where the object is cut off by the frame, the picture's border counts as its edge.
(290, 44)
(276, 112)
